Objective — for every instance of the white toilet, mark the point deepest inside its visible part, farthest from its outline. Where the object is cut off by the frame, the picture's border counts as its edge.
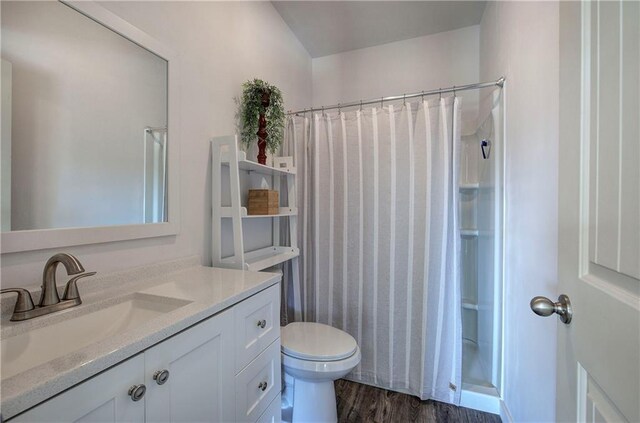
(313, 357)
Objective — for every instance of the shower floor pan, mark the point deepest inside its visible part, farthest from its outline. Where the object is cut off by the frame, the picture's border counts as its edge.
(477, 392)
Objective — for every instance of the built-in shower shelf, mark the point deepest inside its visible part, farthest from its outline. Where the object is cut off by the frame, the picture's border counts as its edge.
(469, 186)
(468, 233)
(468, 305)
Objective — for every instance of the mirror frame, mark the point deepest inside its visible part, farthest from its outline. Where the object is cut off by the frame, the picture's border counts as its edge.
(39, 239)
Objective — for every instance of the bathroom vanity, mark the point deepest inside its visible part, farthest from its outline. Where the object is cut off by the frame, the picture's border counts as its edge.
(192, 344)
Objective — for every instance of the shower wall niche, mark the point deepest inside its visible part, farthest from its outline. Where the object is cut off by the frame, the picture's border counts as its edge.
(480, 211)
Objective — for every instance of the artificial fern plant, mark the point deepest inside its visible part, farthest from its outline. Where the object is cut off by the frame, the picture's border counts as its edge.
(250, 109)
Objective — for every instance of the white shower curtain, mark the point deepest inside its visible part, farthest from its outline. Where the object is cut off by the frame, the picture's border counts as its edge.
(379, 238)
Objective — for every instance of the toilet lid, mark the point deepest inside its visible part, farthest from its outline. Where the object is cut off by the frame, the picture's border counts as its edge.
(316, 342)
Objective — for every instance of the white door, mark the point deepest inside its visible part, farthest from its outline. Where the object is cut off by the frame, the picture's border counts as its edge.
(190, 377)
(598, 374)
(103, 398)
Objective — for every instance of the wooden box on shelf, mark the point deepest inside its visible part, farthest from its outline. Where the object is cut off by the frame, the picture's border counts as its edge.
(263, 201)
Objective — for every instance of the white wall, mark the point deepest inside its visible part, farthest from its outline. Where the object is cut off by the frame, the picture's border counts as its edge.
(82, 96)
(520, 40)
(220, 45)
(5, 151)
(423, 63)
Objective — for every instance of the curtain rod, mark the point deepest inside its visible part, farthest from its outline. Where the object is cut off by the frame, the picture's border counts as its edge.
(498, 83)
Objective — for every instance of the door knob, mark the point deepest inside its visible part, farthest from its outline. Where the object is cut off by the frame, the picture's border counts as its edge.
(542, 306)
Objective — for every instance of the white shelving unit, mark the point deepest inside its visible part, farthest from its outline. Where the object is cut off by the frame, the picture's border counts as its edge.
(225, 152)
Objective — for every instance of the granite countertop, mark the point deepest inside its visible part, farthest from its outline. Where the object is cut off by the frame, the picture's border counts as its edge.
(201, 291)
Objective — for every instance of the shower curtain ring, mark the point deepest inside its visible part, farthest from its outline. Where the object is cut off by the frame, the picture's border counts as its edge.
(454, 91)
(360, 105)
(404, 99)
(440, 93)
(339, 109)
(382, 102)
(422, 96)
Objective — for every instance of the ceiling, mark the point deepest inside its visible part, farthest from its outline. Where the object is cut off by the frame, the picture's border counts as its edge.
(329, 27)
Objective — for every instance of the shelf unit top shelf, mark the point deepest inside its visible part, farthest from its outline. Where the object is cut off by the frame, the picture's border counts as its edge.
(250, 166)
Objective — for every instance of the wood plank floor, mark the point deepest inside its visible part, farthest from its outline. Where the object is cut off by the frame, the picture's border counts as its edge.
(358, 403)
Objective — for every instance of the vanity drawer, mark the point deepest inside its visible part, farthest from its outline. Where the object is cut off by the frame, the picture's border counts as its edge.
(257, 325)
(273, 413)
(258, 384)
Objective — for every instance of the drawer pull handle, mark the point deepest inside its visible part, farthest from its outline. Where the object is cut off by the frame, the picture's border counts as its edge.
(136, 392)
(161, 376)
(263, 386)
(262, 324)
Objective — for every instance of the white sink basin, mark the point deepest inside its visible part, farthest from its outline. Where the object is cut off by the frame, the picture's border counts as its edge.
(30, 349)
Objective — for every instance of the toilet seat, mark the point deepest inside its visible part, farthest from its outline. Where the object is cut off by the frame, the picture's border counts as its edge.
(316, 342)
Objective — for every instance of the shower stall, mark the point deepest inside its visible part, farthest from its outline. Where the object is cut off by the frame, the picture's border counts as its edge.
(400, 234)
(481, 216)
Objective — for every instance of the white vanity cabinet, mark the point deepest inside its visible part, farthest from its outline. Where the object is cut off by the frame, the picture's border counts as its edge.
(190, 377)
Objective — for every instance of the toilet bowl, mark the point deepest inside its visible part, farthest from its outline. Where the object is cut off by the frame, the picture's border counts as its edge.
(314, 355)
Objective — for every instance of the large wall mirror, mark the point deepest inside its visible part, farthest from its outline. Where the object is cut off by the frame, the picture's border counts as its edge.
(88, 143)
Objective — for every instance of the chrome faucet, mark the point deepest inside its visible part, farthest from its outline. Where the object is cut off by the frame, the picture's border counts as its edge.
(50, 301)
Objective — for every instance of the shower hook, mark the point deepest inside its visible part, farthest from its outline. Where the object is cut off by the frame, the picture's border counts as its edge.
(454, 91)
(322, 111)
(382, 102)
(360, 105)
(339, 109)
(485, 144)
(440, 93)
(422, 96)
(404, 99)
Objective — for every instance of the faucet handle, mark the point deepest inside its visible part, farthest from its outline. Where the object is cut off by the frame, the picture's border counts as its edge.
(24, 301)
(71, 290)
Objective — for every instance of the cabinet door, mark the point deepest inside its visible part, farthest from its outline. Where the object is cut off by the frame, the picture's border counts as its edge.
(199, 361)
(103, 398)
